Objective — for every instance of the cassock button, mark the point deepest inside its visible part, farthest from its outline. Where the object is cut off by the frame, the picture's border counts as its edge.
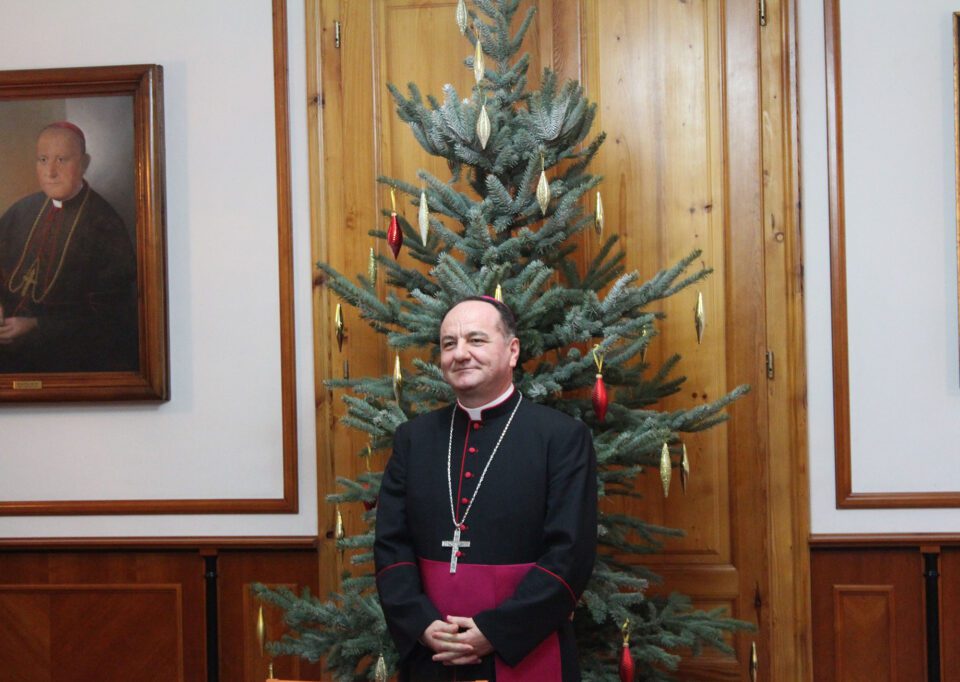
(465, 500)
(469, 474)
(463, 526)
(459, 554)
(471, 450)
(476, 425)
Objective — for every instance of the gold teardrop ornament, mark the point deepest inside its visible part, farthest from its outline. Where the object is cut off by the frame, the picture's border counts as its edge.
(372, 268)
(483, 126)
(423, 218)
(498, 293)
(397, 378)
(462, 17)
(684, 469)
(598, 216)
(338, 324)
(665, 469)
(699, 318)
(261, 629)
(543, 190)
(380, 672)
(478, 65)
(338, 525)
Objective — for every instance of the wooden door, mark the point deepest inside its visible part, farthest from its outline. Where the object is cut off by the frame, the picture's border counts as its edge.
(696, 103)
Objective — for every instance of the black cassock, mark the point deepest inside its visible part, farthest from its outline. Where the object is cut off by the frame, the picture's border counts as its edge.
(535, 512)
(74, 269)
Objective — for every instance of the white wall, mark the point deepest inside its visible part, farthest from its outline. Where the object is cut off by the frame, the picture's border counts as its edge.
(220, 435)
(897, 72)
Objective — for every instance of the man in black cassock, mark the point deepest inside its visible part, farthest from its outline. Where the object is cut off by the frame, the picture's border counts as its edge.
(487, 519)
(68, 299)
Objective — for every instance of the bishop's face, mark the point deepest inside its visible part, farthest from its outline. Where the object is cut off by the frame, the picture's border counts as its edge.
(61, 163)
(476, 357)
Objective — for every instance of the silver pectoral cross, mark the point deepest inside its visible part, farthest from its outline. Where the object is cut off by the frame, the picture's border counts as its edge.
(455, 546)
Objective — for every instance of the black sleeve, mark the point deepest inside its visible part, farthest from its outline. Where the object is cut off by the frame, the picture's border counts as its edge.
(407, 609)
(548, 594)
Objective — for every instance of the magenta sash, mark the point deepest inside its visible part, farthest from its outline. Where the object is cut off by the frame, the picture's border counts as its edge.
(479, 587)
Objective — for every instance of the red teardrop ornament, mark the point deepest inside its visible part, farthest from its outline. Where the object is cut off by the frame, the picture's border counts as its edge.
(626, 665)
(394, 235)
(600, 399)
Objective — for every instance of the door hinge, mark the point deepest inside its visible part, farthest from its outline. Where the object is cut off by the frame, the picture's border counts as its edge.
(770, 365)
(337, 28)
(763, 12)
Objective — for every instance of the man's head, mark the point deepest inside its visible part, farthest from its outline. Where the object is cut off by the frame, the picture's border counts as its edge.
(478, 349)
(61, 160)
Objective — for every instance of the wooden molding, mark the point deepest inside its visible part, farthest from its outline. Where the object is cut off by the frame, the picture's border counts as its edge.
(201, 544)
(835, 541)
(288, 503)
(846, 497)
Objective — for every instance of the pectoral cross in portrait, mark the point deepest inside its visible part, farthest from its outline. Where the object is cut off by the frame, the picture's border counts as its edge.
(455, 546)
(30, 280)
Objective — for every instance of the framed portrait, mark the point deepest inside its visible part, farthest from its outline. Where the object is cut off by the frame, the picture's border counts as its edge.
(83, 303)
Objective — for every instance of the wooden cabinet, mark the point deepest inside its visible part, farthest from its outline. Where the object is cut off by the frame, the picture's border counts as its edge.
(696, 98)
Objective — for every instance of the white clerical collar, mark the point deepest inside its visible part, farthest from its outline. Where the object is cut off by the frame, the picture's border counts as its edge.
(58, 203)
(476, 412)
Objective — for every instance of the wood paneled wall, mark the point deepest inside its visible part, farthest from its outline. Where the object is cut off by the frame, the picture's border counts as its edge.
(76, 612)
(869, 603)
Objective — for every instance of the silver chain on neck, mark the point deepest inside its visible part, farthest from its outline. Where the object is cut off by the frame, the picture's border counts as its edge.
(453, 416)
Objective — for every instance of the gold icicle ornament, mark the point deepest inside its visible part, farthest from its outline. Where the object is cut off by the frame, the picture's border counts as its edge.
(372, 267)
(338, 533)
(478, 65)
(699, 318)
(338, 324)
(397, 377)
(665, 469)
(684, 469)
(380, 671)
(423, 217)
(483, 126)
(261, 630)
(498, 293)
(462, 16)
(598, 216)
(337, 524)
(543, 189)
(643, 351)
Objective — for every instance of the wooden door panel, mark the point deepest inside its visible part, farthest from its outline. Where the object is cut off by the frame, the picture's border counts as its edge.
(652, 68)
(383, 41)
(656, 70)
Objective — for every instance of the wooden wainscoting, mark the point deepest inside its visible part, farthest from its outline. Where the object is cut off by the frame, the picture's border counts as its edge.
(950, 613)
(117, 610)
(886, 607)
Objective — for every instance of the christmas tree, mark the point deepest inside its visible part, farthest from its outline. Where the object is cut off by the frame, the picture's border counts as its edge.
(507, 221)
